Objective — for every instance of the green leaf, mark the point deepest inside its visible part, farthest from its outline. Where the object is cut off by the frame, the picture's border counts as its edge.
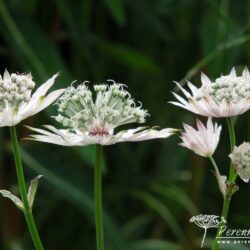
(130, 57)
(163, 211)
(177, 195)
(32, 190)
(36, 51)
(12, 197)
(116, 10)
(213, 54)
(137, 225)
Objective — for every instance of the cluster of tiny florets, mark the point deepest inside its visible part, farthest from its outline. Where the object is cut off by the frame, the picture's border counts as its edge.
(112, 107)
(241, 160)
(15, 89)
(231, 89)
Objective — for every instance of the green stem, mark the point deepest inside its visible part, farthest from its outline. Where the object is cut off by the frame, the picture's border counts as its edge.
(217, 174)
(232, 178)
(214, 165)
(98, 199)
(224, 214)
(232, 144)
(22, 187)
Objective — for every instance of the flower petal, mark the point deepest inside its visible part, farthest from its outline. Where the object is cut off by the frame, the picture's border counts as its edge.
(49, 99)
(204, 79)
(42, 90)
(246, 74)
(6, 75)
(148, 134)
(61, 137)
(233, 72)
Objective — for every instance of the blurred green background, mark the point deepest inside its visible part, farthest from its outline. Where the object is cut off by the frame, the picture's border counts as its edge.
(151, 189)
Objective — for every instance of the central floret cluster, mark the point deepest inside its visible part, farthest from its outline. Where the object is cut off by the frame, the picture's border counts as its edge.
(15, 89)
(231, 89)
(112, 107)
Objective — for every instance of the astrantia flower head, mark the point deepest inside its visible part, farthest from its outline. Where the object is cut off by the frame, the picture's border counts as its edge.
(16, 101)
(90, 118)
(227, 96)
(241, 160)
(202, 141)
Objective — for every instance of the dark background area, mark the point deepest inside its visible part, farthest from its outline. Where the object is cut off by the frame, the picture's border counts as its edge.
(152, 188)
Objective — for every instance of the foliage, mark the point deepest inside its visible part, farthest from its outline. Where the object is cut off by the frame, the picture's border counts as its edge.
(151, 189)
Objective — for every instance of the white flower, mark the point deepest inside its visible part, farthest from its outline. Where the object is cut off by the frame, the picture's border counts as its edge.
(227, 96)
(16, 101)
(202, 141)
(93, 122)
(241, 160)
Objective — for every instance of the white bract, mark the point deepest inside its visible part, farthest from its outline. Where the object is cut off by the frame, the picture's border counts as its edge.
(227, 96)
(202, 141)
(241, 160)
(16, 101)
(91, 118)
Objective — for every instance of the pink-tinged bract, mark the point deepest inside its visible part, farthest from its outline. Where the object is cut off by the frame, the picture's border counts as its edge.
(202, 141)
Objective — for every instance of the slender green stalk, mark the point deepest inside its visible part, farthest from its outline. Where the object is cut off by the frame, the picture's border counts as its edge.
(232, 178)
(98, 199)
(214, 165)
(224, 214)
(232, 144)
(22, 187)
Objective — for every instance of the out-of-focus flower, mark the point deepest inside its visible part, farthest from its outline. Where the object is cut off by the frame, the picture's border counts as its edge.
(227, 96)
(202, 141)
(90, 121)
(241, 160)
(16, 101)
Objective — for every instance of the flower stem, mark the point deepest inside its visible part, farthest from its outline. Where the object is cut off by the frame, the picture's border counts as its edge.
(224, 214)
(98, 199)
(232, 144)
(232, 178)
(214, 165)
(22, 187)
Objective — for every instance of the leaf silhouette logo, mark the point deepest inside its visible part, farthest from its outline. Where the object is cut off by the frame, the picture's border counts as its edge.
(207, 221)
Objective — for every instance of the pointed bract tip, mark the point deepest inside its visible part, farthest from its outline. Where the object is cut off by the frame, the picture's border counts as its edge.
(233, 72)
(6, 75)
(205, 79)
